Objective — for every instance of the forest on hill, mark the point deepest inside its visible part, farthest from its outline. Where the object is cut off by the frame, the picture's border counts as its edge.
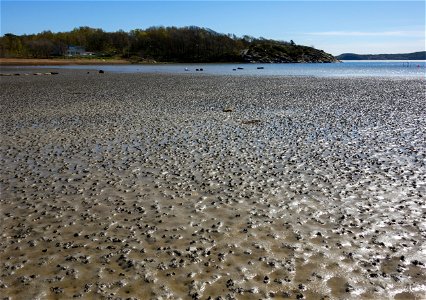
(163, 44)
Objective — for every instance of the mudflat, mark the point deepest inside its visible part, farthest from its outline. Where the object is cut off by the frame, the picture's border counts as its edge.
(143, 186)
(59, 61)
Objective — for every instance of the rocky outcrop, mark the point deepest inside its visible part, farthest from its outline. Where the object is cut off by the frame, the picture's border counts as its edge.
(285, 53)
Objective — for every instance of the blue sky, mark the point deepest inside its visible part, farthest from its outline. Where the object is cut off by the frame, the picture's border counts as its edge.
(334, 26)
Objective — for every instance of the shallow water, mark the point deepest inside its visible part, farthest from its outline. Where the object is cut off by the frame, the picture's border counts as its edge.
(410, 69)
(123, 185)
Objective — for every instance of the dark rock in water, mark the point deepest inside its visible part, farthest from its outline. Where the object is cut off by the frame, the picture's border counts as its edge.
(54, 73)
(266, 280)
(251, 122)
(417, 263)
(230, 284)
(201, 69)
(101, 71)
(260, 68)
(57, 290)
(348, 288)
(239, 68)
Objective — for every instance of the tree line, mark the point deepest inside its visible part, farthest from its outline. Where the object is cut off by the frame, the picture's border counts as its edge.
(167, 44)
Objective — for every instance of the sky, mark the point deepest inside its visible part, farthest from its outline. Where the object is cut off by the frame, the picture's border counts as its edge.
(341, 26)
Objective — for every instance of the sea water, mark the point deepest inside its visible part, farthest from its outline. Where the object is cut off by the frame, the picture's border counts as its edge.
(394, 68)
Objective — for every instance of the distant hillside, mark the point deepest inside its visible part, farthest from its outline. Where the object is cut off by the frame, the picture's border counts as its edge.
(404, 56)
(162, 44)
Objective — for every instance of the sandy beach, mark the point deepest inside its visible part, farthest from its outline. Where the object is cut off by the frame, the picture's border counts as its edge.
(150, 186)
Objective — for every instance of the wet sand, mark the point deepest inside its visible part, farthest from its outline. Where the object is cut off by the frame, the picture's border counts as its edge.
(5, 62)
(142, 186)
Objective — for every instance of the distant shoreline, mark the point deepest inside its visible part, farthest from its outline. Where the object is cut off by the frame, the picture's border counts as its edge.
(421, 55)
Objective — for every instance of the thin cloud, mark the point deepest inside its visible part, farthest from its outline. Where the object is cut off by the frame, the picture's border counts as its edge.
(368, 33)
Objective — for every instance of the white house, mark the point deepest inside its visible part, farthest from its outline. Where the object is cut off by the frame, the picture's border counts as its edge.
(76, 50)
